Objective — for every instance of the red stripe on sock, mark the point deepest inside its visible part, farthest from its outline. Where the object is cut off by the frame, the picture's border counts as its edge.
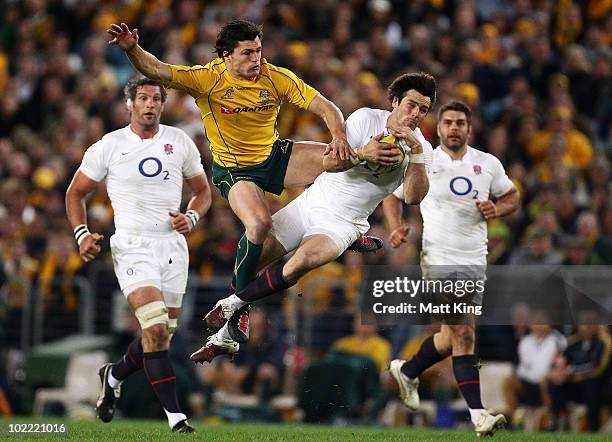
(269, 281)
(461, 384)
(171, 378)
(232, 286)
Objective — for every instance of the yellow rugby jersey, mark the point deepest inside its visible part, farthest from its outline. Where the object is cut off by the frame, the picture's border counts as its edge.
(240, 115)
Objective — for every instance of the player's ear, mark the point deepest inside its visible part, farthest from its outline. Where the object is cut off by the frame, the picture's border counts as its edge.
(394, 102)
(129, 104)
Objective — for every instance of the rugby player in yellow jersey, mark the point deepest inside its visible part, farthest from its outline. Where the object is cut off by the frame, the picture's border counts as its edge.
(239, 95)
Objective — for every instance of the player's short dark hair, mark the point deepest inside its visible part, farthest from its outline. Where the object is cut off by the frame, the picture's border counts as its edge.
(130, 89)
(233, 33)
(422, 82)
(458, 106)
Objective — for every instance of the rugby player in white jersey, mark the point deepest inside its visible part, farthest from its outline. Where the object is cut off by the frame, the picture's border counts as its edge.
(332, 213)
(144, 165)
(455, 212)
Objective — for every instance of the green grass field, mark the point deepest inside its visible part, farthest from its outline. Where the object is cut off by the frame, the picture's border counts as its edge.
(147, 430)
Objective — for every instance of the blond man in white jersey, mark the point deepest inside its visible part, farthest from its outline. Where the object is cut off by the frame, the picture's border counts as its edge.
(332, 213)
(144, 165)
(455, 212)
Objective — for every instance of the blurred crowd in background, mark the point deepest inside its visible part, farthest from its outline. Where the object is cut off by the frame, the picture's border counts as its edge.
(537, 74)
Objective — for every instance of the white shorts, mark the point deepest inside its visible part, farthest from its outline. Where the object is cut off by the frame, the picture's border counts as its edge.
(299, 219)
(160, 261)
(439, 258)
(441, 265)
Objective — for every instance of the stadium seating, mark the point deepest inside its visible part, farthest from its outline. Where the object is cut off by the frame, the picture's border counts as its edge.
(81, 387)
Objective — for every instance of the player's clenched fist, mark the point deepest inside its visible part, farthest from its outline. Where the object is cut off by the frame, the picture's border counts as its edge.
(487, 208)
(123, 37)
(399, 236)
(381, 153)
(89, 247)
(183, 223)
(408, 135)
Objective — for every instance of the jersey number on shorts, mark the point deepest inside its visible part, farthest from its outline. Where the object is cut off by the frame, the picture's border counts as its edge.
(461, 186)
(151, 167)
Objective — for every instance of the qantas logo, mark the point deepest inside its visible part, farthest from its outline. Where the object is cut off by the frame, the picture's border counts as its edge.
(238, 110)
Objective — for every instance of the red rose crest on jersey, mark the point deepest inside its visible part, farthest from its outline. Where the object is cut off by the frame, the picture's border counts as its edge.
(225, 110)
(477, 169)
(168, 149)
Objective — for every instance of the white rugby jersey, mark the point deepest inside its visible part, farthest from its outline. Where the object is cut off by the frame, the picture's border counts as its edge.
(536, 355)
(452, 223)
(355, 193)
(144, 178)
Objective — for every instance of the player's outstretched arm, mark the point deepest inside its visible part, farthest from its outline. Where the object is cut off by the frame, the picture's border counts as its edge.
(146, 63)
(334, 120)
(77, 192)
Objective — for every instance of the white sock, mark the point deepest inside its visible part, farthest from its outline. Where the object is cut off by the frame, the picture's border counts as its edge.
(224, 333)
(475, 414)
(112, 381)
(236, 301)
(174, 418)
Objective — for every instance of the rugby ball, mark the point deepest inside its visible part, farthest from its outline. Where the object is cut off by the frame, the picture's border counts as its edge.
(399, 145)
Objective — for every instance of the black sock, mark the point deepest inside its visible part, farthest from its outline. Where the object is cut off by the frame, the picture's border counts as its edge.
(161, 376)
(130, 362)
(425, 357)
(468, 379)
(247, 256)
(268, 282)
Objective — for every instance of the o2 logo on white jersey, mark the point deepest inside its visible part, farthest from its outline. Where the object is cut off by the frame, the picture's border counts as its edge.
(150, 167)
(461, 186)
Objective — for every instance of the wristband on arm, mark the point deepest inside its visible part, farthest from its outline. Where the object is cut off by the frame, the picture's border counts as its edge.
(417, 158)
(192, 216)
(80, 233)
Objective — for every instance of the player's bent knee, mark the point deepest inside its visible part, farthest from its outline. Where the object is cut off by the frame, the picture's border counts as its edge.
(258, 227)
(152, 314)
